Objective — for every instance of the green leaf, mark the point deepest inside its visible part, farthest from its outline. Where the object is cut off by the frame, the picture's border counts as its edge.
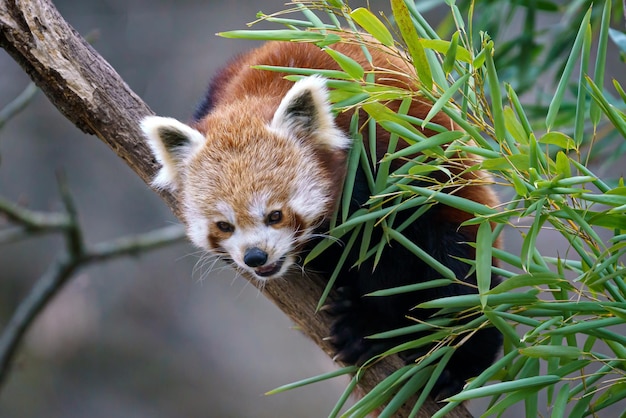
(461, 203)
(445, 98)
(548, 351)
(315, 379)
(450, 58)
(581, 105)
(281, 35)
(431, 284)
(484, 242)
(433, 324)
(515, 163)
(443, 47)
(559, 139)
(555, 104)
(620, 90)
(560, 403)
(347, 64)
(415, 383)
(421, 254)
(430, 143)
(607, 199)
(598, 76)
(305, 71)
(530, 279)
(412, 40)
(615, 393)
(381, 392)
(473, 300)
(616, 117)
(496, 95)
(336, 3)
(520, 187)
(372, 25)
(586, 326)
(506, 387)
(514, 127)
(563, 167)
(354, 157)
(507, 330)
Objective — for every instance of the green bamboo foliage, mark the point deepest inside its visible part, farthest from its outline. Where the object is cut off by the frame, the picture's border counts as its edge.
(560, 311)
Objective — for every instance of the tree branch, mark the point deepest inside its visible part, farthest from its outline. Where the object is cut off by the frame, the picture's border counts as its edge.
(88, 91)
(75, 256)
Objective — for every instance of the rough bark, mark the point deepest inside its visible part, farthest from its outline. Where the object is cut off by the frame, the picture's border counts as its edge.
(89, 92)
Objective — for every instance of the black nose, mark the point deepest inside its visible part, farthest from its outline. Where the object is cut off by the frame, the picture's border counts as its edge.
(255, 257)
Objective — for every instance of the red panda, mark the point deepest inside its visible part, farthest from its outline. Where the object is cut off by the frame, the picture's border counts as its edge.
(259, 171)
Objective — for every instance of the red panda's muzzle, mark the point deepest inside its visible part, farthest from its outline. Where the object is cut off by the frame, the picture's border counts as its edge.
(257, 258)
(270, 269)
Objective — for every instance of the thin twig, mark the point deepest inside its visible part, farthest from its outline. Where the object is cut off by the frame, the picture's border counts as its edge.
(58, 274)
(46, 287)
(34, 220)
(18, 104)
(73, 233)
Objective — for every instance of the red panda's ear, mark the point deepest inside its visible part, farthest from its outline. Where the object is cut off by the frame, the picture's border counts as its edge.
(304, 113)
(172, 143)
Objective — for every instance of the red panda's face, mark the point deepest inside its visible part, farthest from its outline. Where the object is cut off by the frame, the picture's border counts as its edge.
(254, 186)
(254, 197)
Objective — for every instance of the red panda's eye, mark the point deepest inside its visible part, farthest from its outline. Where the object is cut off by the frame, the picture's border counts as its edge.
(225, 227)
(274, 217)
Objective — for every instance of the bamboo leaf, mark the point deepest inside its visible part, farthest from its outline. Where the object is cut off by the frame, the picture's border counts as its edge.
(473, 300)
(555, 104)
(562, 165)
(615, 393)
(530, 279)
(423, 255)
(615, 116)
(306, 71)
(560, 403)
(514, 127)
(412, 40)
(598, 76)
(315, 379)
(347, 64)
(515, 163)
(506, 387)
(461, 203)
(411, 288)
(450, 58)
(429, 143)
(549, 351)
(484, 242)
(559, 139)
(445, 98)
(372, 25)
(443, 47)
(282, 35)
(496, 95)
(579, 118)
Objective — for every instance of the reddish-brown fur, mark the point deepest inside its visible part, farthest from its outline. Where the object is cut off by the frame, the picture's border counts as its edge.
(261, 91)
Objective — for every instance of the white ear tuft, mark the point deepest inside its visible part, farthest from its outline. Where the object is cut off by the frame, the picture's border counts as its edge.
(172, 143)
(305, 113)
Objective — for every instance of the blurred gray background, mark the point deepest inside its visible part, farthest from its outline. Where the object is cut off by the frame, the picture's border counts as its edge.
(143, 337)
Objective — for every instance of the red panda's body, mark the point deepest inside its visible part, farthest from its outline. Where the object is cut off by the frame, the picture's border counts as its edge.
(260, 170)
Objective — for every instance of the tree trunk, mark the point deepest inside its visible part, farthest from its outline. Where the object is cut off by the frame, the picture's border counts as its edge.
(88, 91)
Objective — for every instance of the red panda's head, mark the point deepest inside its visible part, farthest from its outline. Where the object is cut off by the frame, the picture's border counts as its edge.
(254, 186)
